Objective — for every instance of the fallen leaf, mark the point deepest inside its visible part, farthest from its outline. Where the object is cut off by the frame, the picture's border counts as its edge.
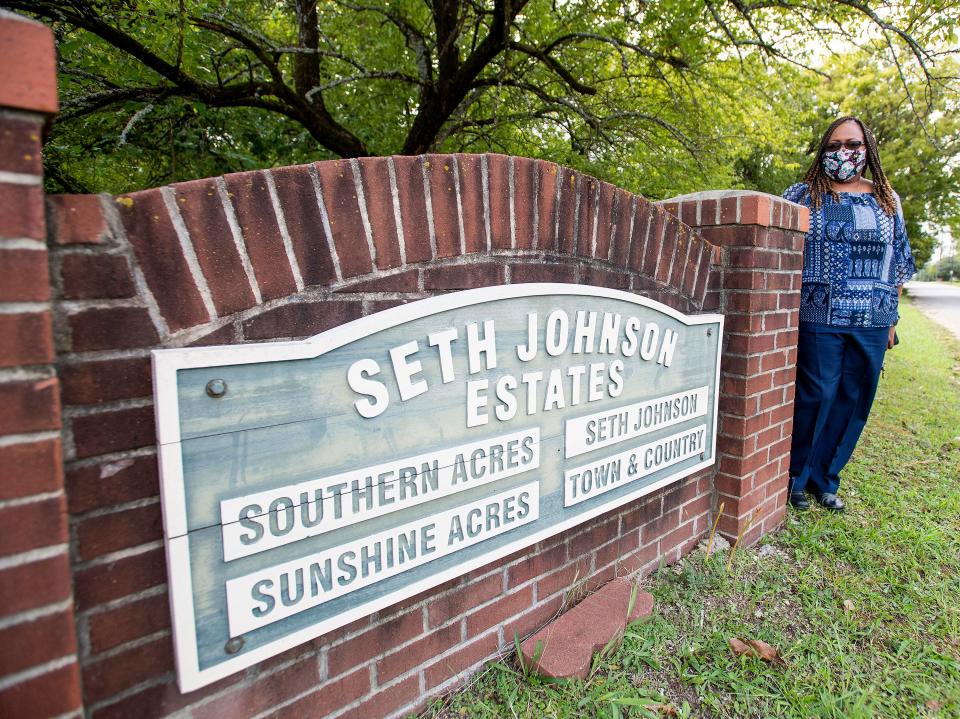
(740, 648)
(764, 650)
(668, 710)
(848, 605)
(934, 704)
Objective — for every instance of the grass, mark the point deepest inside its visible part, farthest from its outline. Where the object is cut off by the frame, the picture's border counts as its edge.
(863, 608)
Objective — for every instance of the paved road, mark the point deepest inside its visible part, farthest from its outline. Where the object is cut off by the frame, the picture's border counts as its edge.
(938, 301)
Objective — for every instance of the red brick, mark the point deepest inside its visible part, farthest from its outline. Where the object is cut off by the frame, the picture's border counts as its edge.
(76, 219)
(606, 220)
(387, 701)
(30, 644)
(298, 199)
(443, 196)
(570, 186)
(20, 146)
(21, 211)
(374, 306)
(642, 228)
(455, 277)
(30, 406)
(28, 339)
(533, 620)
(110, 483)
(749, 344)
(28, 71)
(471, 200)
(205, 218)
(332, 696)
(413, 209)
(111, 328)
(160, 257)
(51, 694)
(587, 215)
(30, 468)
(462, 660)
(379, 639)
(111, 580)
(35, 584)
(39, 524)
(667, 249)
(655, 241)
(736, 279)
(643, 559)
(107, 677)
(498, 183)
(524, 201)
(458, 601)
(378, 194)
(401, 282)
(616, 279)
(253, 207)
(728, 210)
(755, 210)
(131, 621)
(225, 335)
(646, 510)
(537, 564)
(504, 608)
(661, 526)
(695, 508)
(301, 319)
(708, 212)
(113, 431)
(163, 699)
(419, 652)
(106, 380)
(542, 272)
(563, 578)
(679, 259)
(622, 218)
(547, 175)
(23, 276)
(85, 276)
(127, 528)
(599, 532)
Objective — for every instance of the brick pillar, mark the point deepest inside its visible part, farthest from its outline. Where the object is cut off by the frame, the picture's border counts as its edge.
(39, 674)
(756, 284)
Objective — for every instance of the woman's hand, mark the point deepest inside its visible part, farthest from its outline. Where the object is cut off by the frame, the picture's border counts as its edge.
(890, 335)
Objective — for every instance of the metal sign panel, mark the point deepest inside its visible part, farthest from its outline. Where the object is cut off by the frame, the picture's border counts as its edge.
(308, 484)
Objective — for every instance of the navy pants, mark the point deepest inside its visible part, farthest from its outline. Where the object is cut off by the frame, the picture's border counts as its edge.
(837, 373)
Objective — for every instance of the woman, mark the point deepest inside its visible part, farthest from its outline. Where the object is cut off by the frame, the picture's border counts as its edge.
(856, 258)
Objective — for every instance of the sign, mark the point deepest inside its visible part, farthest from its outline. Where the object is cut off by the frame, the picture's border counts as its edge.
(308, 484)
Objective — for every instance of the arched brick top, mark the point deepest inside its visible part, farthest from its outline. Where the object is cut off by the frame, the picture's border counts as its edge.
(251, 256)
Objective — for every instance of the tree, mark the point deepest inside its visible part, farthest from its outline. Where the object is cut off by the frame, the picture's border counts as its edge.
(157, 90)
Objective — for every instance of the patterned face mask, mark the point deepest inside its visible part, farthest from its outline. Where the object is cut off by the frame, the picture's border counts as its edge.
(843, 164)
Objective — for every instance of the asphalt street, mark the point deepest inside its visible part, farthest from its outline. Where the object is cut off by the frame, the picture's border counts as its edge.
(938, 301)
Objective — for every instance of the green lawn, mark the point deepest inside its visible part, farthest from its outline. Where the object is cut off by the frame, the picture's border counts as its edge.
(863, 608)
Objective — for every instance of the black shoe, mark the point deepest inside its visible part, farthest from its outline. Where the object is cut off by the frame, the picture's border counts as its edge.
(798, 500)
(831, 502)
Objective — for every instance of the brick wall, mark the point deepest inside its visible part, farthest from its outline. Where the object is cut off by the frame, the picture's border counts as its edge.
(288, 253)
(38, 654)
(756, 285)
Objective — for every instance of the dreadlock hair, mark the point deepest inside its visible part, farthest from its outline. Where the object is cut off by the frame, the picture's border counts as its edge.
(819, 183)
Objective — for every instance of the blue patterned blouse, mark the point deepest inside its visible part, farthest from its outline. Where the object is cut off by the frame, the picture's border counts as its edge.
(854, 256)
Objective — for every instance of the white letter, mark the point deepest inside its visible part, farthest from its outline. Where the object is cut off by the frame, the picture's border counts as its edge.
(648, 347)
(616, 377)
(666, 349)
(530, 351)
(585, 333)
(530, 379)
(505, 387)
(556, 334)
(596, 380)
(553, 395)
(476, 401)
(609, 333)
(441, 340)
(487, 345)
(576, 372)
(357, 379)
(629, 345)
(404, 371)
